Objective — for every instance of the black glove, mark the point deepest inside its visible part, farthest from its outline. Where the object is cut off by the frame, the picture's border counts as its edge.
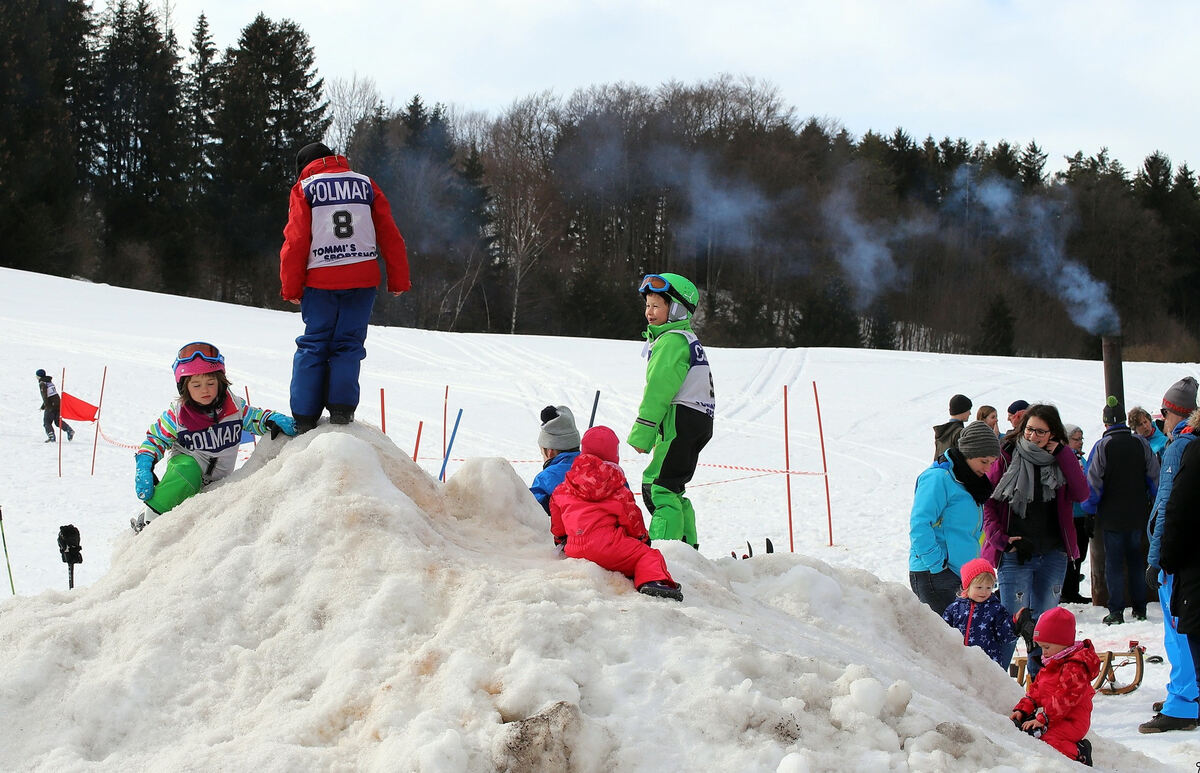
(1023, 626)
(1024, 550)
(1152, 578)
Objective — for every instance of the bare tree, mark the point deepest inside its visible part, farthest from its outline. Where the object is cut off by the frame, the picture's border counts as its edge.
(350, 101)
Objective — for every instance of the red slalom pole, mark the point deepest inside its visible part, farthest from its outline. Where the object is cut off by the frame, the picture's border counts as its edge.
(824, 466)
(100, 407)
(62, 389)
(787, 466)
(382, 412)
(253, 437)
(417, 445)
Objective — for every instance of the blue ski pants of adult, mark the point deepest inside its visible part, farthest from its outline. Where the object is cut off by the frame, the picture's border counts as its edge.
(1182, 690)
(1123, 552)
(329, 354)
(1036, 584)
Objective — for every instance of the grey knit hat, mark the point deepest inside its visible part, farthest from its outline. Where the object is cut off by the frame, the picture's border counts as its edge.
(978, 440)
(1180, 399)
(558, 429)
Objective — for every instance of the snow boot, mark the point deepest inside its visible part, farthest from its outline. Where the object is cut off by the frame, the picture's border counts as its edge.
(340, 414)
(1085, 752)
(1163, 724)
(70, 434)
(1114, 618)
(305, 423)
(661, 589)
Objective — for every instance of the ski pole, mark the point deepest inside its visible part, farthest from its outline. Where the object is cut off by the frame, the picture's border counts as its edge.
(595, 402)
(442, 474)
(68, 546)
(6, 563)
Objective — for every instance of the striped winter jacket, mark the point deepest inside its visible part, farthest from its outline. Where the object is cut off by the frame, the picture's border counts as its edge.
(212, 439)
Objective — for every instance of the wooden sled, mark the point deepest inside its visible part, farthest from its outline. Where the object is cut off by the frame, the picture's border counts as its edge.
(1106, 681)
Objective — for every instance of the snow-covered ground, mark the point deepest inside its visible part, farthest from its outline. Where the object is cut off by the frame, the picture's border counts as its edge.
(333, 606)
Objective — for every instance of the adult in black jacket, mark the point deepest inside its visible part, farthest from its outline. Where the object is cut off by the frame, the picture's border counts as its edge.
(1181, 536)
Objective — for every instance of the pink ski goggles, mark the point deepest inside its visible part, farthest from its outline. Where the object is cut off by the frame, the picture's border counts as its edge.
(196, 358)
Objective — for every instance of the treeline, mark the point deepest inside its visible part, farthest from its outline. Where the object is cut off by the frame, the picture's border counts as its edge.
(133, 159)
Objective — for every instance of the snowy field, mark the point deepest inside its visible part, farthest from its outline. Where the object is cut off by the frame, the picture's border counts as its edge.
(332, 606)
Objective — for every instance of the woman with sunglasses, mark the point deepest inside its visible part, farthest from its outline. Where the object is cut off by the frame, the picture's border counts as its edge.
(199, 433)
(1029, 523)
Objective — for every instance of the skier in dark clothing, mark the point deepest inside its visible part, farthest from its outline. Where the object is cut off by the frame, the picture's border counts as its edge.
(51, 407)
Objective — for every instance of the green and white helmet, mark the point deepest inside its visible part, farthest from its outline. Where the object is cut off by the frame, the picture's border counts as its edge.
(679, 290)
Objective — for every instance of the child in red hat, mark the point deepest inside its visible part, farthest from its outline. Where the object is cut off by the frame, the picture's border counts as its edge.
(1058, 707)
(594, 514)
(978, 613)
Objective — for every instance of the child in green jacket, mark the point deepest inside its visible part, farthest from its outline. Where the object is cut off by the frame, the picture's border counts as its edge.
(675, 418)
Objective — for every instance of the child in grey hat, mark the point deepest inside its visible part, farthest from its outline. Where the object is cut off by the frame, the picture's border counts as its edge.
(558, 441)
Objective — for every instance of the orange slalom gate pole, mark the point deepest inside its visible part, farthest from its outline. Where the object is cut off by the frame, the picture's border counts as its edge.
(417, 446)
(787, 466)
(382, 412)
(99, 408)
(824, 466)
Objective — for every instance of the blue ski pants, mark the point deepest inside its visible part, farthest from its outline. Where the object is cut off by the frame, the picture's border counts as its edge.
(329, 354)
(1182, 691)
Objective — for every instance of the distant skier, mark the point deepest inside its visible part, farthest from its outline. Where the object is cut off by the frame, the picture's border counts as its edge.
(594, 515)
(339, 224)
(51, 407)
(199, 433)
(558, 442)
(675, 417)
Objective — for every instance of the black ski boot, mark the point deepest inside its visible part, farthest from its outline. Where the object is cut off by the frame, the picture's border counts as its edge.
(341, 414)
(660, 589)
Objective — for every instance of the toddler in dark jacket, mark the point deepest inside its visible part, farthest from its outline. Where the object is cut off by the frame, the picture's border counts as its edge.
(978, 613)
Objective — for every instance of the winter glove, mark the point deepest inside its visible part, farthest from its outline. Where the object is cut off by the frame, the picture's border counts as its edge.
(1024, 550)
(143, 479)
(281, 423)
(1018, 718)
(1152, 578)
(1023, 626)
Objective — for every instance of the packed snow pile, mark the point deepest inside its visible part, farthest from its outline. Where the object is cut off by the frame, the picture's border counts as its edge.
(331, 606)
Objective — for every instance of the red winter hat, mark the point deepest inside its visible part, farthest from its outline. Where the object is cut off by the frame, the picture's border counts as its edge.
(602, 442)
(1055, 626)
(974, 568)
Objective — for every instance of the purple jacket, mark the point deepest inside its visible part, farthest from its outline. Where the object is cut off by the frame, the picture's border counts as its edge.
(995, 514)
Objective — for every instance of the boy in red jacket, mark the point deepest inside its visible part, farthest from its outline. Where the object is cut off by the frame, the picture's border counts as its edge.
(594, 514)
(1058, 708)
(339, 224)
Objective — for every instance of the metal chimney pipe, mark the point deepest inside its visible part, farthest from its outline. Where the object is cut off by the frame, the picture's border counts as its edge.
(1114, 380)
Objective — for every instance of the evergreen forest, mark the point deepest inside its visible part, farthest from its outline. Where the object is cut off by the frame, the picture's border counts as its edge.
(136, 159)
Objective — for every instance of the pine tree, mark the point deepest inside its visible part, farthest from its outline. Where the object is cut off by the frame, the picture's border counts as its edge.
(1032, 167)
(200, 101)
(996, 334)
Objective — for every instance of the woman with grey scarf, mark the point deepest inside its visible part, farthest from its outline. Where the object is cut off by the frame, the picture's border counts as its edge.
(1028, 523)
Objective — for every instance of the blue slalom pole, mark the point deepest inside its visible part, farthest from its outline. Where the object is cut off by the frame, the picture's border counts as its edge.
(450, 445)
(595, 402)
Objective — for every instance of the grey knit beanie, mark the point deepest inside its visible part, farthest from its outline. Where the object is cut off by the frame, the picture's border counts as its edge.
(1180, 399)
(978, 440)
(558, 429)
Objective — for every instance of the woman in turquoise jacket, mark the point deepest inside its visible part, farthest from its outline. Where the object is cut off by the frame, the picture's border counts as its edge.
(946, 523)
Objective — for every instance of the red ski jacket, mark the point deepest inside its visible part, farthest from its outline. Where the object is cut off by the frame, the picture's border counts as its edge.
(1062, 691)
(593, 496)
(300, 257)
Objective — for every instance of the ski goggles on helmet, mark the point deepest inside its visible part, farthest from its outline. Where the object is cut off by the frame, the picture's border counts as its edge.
(657, 283)
(196, 358)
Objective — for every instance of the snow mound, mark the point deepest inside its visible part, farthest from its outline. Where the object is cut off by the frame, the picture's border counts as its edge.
(331, 606)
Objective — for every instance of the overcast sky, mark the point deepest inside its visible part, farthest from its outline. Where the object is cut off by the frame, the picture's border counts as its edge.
(1072, 75)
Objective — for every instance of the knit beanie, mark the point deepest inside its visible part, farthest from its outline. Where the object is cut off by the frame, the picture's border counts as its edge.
(40, 373)
(959, 404)
(1180, 399)
(974, 568)
(1055, 626)
(310, 153)
(1018, 405)
(977, 440)
(602, 442)
(1114, 412)
(558, 429)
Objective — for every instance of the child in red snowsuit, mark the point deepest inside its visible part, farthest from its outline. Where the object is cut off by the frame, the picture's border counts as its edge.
(1058, 708)
(594, 513)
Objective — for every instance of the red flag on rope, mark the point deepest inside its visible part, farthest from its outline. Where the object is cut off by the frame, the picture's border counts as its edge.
(74, 409)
